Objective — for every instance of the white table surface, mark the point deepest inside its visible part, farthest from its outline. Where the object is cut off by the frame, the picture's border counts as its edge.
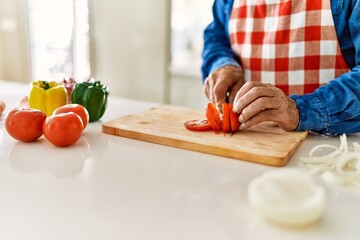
(109, 187)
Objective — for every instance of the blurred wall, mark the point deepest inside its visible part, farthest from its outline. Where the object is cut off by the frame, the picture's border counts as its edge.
(130, 47)
(14, 42)
(186, 90)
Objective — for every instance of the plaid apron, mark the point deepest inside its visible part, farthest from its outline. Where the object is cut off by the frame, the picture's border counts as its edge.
(290, 44)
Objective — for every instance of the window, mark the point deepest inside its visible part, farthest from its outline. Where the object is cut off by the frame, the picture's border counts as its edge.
(59, 38)
(188, 21)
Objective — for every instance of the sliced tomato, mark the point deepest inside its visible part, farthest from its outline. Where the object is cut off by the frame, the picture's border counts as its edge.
(198, 125)
(234, 120)
(228, 123)
(226, 126)
(213, 117)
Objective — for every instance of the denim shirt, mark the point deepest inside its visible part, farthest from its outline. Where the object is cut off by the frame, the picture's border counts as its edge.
(332, 109)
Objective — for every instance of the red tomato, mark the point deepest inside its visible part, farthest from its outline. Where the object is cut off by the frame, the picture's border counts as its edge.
(213, 117)
(230, 119)
(24, 124)
(63, 129)
(2, 107)
(75, 108)
(226, 125)
(234, 120)
(198, 125)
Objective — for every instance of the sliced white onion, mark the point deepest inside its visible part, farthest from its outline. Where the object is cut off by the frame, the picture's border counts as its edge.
(288, 197)
(321, 160)
(340, 167)
(336, 179)
(356, 147)
(319, 168)
(343, 144)
(322, 146)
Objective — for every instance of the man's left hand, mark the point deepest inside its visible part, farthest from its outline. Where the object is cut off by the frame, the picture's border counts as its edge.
(259, 102)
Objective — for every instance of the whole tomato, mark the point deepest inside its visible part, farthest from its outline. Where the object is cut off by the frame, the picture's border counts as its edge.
(63, 129)
(75, 108)
(24, 124)
(2, 107)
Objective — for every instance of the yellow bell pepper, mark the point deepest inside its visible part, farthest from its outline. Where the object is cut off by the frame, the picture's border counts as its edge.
(47, 96)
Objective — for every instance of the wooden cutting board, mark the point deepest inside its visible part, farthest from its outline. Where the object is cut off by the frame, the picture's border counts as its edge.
(264, 143)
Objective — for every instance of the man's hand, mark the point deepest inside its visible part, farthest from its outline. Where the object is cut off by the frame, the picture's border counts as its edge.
(220, 82)
(258, 102)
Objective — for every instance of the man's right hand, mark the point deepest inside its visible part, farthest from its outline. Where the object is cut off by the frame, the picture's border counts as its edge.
(228, 79)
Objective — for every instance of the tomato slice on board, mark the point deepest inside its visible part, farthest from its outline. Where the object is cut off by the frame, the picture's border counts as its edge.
(213, 117)
(226, 126)
(227, 123)
(230, 119)
(198, 125)
(234, 121)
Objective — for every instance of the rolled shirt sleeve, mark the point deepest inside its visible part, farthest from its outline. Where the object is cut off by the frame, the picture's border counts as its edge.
(334, 108)
(217, 51)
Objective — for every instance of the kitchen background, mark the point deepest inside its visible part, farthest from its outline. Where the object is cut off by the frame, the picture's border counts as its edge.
(143, 50)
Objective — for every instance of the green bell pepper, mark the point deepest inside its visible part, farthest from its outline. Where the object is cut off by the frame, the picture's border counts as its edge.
(93, 96)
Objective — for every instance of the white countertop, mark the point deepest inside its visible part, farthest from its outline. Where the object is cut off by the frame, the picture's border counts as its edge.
(109, 187)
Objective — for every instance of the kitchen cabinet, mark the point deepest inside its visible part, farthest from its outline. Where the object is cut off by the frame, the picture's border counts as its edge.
(130, 47)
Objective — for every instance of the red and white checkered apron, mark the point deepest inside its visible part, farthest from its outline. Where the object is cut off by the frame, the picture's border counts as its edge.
(290, 44)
